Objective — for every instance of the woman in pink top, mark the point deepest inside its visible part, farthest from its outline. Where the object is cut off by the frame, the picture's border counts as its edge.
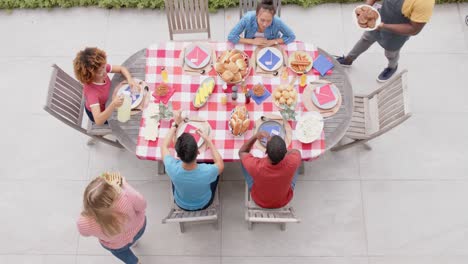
(115, 215)
(91, 70)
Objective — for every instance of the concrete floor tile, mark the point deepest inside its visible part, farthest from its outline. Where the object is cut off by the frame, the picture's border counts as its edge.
(331, 223)
(341, 165)
(151, 259)
(38, 259)
(318, 17)
(403, 153)
(127, 33)
(444, 24)
(294, 260)
(416, 218)
(39, 216)
(418, 260)
(43, 148)
(37, 33)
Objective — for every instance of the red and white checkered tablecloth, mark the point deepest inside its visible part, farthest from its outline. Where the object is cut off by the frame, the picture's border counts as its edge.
(167, 55)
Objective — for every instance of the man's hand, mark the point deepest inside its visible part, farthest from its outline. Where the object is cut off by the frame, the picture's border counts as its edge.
(205, 137)
(178, 117)
(134, 87)
(261, 135)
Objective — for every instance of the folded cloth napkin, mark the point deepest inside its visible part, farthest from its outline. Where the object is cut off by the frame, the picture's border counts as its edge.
(324, 94)
(164, 99)
(197, 55)
(269, 59)
(260, 99)
(322, 64)
(193, 131)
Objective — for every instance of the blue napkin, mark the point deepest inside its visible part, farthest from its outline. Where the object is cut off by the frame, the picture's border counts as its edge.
(260, 99)
(269, 56)
(322, 65)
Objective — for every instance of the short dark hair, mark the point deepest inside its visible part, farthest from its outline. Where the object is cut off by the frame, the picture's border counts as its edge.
(266, 5)
(276, 149)
(186, 148)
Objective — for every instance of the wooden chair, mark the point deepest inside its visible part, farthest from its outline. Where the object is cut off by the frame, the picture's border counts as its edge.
(65, 101)
(256, 214)
(378, 112)
(187, 17)
(249, 5)
(208, 215)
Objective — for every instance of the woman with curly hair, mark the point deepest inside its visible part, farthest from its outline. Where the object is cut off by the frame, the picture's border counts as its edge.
(115, 214)
(91, 70)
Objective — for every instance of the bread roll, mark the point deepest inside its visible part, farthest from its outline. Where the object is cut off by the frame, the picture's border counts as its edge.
(241, 64)
(232, 123)
(245, 125)
(233, 67)
(227, 76)
(237, 128)
(225, 56)
(236, 57)
(237, 77)
(219, 67)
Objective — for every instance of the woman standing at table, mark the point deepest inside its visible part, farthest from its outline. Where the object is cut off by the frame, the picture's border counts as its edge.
(115, 214)
(91, 70)
(262, 28)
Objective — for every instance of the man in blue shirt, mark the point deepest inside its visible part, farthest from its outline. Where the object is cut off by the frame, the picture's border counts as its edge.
(262, 28)
(194, 185)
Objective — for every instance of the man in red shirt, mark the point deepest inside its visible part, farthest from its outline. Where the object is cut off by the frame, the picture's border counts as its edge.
(271, 179)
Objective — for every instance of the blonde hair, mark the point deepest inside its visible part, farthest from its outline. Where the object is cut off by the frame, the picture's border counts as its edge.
(98, 199)
(87, 63)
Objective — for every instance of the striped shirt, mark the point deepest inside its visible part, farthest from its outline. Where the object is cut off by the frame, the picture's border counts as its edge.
(133, 205)
(248, 24)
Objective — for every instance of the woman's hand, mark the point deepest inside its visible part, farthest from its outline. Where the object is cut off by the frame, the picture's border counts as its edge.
(117, 101)
(260, 41)
(134, 86)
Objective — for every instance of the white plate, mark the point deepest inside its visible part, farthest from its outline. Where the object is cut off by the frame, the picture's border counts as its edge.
(309, 127)
(269, 66)
(192, 64)
(292, 58)
(197, 125)
(136, 97)
(331, 104)
(377, 22)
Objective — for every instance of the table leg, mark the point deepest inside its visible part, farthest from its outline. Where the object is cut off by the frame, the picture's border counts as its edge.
(161, 169)
(301, 168)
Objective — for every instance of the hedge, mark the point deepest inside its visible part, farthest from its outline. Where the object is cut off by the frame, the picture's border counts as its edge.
(214, 4)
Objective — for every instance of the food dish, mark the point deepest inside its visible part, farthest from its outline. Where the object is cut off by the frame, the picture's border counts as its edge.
(135, 96)
(272, 127)
(366, 17)
(326, 96)
(285, 96)
(239, 122)
(258, 90)
(197, 56)
(161, 90)
(269, 59)
(309, 127)
(203, 93)
(232, 66)
(300, 62)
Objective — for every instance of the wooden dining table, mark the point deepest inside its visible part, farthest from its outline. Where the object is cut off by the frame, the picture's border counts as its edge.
(141, 67)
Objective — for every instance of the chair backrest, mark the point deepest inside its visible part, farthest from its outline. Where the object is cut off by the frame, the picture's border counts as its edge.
(389, 105)
(186, 17)
(65, 99)
(248, 5)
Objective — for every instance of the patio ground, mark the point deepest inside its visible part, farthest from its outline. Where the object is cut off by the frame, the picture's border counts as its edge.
(402, 202)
